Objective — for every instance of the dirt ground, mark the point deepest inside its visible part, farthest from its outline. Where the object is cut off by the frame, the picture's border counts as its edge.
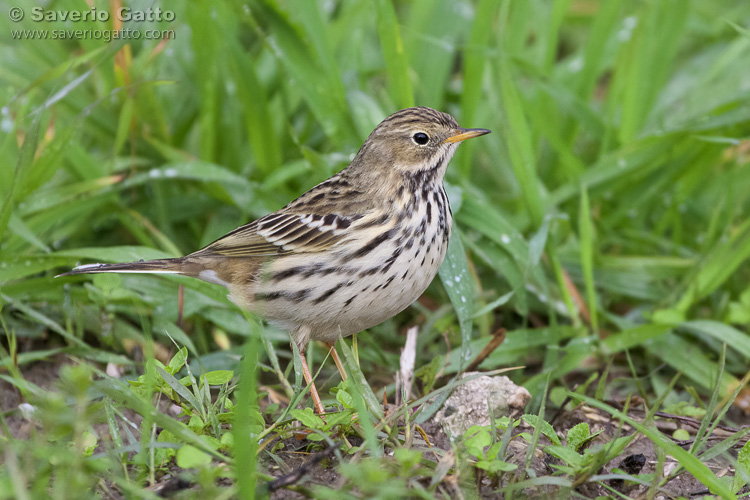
(301, 467)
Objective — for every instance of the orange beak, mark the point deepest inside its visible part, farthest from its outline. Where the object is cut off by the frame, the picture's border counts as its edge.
(466, 133)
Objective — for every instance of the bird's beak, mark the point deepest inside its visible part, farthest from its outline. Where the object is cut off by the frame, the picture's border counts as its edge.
(466, 133)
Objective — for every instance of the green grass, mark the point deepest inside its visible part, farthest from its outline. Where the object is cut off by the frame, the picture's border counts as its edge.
(605, 224)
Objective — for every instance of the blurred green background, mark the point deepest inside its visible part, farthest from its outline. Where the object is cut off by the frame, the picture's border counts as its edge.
(608, 211)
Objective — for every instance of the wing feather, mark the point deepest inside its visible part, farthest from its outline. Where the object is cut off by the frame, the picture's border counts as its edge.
(282, 233)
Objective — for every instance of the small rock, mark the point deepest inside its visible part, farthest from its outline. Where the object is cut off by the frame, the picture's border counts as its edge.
(27, 411)
(115, 371)
(469, 403)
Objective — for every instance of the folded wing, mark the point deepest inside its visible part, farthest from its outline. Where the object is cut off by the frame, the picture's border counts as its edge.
(280, 233)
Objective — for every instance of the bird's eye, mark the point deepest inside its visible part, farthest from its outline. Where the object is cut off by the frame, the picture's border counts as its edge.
(421, 138)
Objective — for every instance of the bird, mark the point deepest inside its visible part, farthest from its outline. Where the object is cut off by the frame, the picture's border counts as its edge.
(349, 253)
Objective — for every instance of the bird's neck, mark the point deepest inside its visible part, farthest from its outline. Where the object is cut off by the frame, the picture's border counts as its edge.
(390, 182)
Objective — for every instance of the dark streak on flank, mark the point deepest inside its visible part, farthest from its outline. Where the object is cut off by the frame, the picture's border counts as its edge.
(369, 272)
(287, 273)
(268, 296)
(313, 269)
(376, 222)
(300, 295)
(326, 295)
(373, 244)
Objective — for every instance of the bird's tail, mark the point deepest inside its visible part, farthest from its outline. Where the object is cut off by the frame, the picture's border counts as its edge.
(159, 266)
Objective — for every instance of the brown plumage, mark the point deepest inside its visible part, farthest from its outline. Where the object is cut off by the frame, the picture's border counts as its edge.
(349, 253)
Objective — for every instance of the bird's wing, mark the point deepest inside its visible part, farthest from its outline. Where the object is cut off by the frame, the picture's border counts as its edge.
(283, 232)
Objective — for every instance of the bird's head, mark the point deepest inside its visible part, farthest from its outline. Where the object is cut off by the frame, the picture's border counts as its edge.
(414, 140)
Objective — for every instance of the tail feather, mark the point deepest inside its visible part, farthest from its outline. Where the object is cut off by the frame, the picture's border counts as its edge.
(159, 266)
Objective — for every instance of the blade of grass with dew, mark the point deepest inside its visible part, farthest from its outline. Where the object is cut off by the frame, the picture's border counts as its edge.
(199, 171)
(455, 275)
(481, 215)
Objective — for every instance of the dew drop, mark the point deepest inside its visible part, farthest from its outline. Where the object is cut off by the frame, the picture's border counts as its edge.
(575, 65)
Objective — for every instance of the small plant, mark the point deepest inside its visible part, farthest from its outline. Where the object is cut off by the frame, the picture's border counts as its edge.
(481, 444)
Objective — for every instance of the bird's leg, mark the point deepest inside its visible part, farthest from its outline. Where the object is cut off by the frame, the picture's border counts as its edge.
(337, 360)
(311, 383)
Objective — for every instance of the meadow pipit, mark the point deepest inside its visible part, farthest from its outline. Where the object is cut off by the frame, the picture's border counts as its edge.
(351, 252)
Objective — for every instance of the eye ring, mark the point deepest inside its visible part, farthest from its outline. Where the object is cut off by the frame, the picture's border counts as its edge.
(420, 138)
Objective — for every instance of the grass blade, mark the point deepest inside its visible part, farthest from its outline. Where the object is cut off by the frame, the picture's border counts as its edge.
(396, 61)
